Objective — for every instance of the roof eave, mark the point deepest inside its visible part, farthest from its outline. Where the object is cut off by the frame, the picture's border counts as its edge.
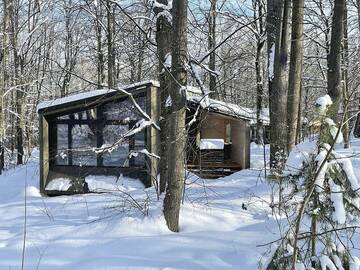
(94, 100)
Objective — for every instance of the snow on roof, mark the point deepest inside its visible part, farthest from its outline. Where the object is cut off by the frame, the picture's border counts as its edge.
(194, 95)
(90, 94)
(71, 98)
(137, 84)
(230, 109)
(221, 106)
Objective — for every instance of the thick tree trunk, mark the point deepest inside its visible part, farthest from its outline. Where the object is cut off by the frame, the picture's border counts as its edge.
(278, 42)
(211, 45)
(163, 40)
(295, 73)
(334, 85)
(177, 133)
(18, 71)
(4, 76)
(345, 66)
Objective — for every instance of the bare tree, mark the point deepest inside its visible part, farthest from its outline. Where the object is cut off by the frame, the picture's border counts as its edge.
(110, 43)
(295, 72)
(278, 42)
(163, 40)
(211, 46)
(5, 76)
(177, 137)
(259, 12)
(334, 86)
(345, 80)
(99, 44)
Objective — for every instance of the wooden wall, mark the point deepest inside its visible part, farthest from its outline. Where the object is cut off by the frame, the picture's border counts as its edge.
(240, 148)
(44, 152)
(153, 136)
(213, 126)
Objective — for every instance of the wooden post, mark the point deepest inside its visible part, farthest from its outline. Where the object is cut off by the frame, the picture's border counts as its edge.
(44, 152)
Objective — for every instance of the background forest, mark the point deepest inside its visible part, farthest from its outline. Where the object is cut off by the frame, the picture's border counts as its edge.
(296, 61)
(50, 49)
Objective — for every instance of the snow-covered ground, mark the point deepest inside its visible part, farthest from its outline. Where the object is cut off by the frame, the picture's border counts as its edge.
(224, 222)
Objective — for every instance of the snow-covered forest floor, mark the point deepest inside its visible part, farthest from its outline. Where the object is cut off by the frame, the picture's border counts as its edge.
(224, 223)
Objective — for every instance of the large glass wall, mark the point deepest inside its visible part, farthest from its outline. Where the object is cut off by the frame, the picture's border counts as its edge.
(113, 136)
(84, 140)
(98, 137)
(62, 144)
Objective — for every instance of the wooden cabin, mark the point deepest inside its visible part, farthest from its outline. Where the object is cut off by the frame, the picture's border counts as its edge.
(92, 133)
(218, 124)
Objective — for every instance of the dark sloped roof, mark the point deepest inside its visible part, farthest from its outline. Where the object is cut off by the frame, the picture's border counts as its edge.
(194, 99)
(92, 97)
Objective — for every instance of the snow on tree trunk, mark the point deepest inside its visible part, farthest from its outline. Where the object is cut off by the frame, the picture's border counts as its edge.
(177, 134)
(163, 39)
(278, 43)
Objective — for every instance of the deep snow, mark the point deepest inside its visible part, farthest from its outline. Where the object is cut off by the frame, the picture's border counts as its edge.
(222, 223)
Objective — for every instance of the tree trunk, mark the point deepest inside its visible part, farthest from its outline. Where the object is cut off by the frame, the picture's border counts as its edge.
(18, 71)
(278, 42)
(100, 54)
(295, 73)
(177, 134)
(211, 45)
(345, 66)
(5, 77)
(299, 128)
(163, 40)
(68, 51)
(334, 86)
(258, 5)
(110, 44)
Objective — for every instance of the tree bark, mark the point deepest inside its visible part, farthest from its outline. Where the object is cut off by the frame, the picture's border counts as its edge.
(110, 43)
(278, 42)
(334, 86)
(299, 128)
(295, 73)
(69, 44)
(345, 66)
(211, 45)
(358, 10)
(99, 45)
(163, 40)
(177, 134)
(258, 6)
(5, 77)
(18, 71)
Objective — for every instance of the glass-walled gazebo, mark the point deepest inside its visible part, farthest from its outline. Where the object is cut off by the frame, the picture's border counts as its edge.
(93, 134)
